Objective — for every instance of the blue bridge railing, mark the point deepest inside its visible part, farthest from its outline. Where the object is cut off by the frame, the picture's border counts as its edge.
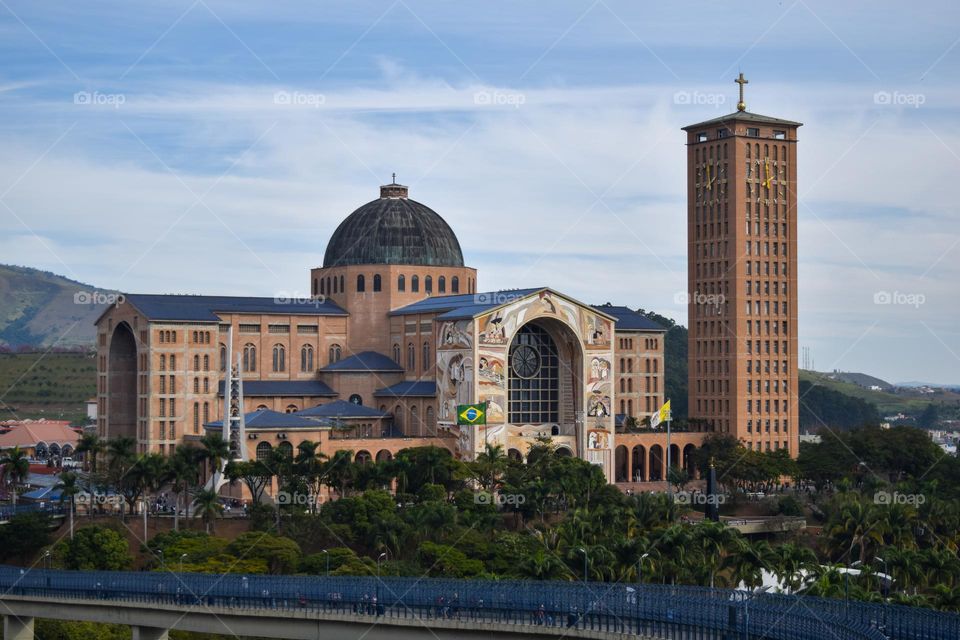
(695, 613)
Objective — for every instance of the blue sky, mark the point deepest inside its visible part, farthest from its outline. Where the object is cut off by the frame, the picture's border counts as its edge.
(212, 147)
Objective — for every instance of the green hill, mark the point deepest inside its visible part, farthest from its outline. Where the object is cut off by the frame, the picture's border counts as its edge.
(42, 309)
(46, 384)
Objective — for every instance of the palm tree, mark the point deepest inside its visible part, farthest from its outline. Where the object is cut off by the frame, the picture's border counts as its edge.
(69, 486)
(121, 456)
(16, 468)
(489, 467)
(791, 563)
(91, 446)
(216, 450)
(184, 474)
(206, 504)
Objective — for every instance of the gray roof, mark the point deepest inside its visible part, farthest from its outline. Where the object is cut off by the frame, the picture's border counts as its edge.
(267, 419)
(341, 409)
(175, 307)
(743, 116)
(628, 319)
(466, 305)
(394, 230)
(409, 389)
(364, 361)
(301, 388)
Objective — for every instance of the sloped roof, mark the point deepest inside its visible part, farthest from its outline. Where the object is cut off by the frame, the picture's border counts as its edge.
(205, 308)
(743, 116)
(289, 388)
(628, 319)
(409, 389)
(364, 361)
(267, 419)
(341, 409)
(28, 434)
(479, 301)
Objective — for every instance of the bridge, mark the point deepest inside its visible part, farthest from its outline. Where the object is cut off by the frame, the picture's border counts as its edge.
(348, 608)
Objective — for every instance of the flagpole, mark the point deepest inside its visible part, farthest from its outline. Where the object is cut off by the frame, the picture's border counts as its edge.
(667, 474)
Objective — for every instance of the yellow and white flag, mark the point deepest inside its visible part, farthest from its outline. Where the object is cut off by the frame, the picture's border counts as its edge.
(661, 416)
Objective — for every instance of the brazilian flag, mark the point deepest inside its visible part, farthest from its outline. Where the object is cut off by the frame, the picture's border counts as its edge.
(471, 414)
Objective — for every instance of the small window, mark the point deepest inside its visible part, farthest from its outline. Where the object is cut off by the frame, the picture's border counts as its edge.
(376, 282)
(441, 285)
(702, 137)
(428, 284)
(401, 283)
(753, 132)
(779, 135)
(361, 284)
(455, 284)
(356, 399)
(415, 284)
(722, 133)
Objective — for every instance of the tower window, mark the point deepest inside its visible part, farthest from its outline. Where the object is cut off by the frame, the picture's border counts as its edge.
(455, 284)
(779, 135)
(441, 285)
(361, 283)
(702, 137)
(753, 132)
(376, 282)
(401, 283)
(428, 284)
(415, 284)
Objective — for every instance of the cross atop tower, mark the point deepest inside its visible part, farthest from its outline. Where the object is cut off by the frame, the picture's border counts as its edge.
(395, 174)
(741, 105)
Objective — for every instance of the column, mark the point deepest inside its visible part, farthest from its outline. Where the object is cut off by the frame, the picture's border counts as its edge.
(147, 633)
(15, 628)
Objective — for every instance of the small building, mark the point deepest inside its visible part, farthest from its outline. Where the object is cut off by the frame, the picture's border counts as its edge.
(41, 439)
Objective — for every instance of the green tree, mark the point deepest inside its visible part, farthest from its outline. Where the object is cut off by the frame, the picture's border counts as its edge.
(94, 548)
(69, 487)
(282, 555)
(24, 535)
(90, 447)
(15, 466)
(206, 505)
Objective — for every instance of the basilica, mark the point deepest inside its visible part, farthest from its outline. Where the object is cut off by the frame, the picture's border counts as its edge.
(396, 335)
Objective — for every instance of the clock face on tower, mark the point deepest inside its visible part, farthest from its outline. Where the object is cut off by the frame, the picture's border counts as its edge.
(525, 361)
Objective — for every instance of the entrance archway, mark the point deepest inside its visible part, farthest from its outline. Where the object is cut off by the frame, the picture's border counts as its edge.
(621, 472)
(122, 384)
(689, 460)
(656, 463)
(639, 463)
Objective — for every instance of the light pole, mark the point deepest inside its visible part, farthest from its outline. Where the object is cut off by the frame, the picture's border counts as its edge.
(46, 559)
(160, 553)
(377, 605)
(885, 590)
(327, 556)
(640, 566)
(182, 556)
(584, 552)
(746, 609)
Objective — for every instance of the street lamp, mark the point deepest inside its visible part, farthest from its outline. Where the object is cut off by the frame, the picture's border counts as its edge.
(640, 566)
(182, 556)
(46, 559)
(584, 552)
(327, 555)
(746, 608)
(379, 558)
(160, 553)
(886, 577)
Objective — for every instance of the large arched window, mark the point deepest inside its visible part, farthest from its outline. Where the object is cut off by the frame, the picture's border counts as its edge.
(335, 353)
(441, 285)
(534, 375)
(401, 283)
(376, 282)
(455, 284)
(428, 284)
(415, 284)
(249, 357)
(411, 357)
(361, 283)
(306, 359)
(263, 450)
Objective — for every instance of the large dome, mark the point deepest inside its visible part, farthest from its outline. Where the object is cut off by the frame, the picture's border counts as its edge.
(393, 230)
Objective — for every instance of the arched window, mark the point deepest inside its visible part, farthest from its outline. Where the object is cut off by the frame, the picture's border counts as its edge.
(342, 288)
(415, 284)
(534, 378)
(335, 283)
(196, 417)
(263, 450)
(196, 385)
(398, 418)
(426, 354)
(262, 407)
(335, 354)
(163, 362)
(196, 363)
(411, 357)
(291, 408)
(315, 286)
(206, 385)
(396, 353)
(306, 359)
(206, 412)
(429, 423)
(206, 363)
(441, 285)
(279, 358)
(455, 284)
(356, 399)
(401, 283)
(361, 283)
(249, 357)
(323, 286)
(223, 357)
(376, 282)
(415, 421)
(428, 284)
(286, 449)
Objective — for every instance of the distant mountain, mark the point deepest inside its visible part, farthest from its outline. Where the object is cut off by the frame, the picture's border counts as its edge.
(43, 309)
(859, 379)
